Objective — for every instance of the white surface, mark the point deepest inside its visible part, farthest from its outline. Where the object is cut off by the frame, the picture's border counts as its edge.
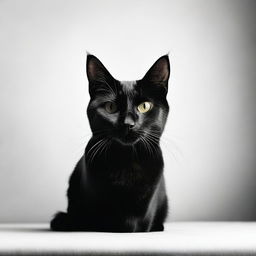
(179, 238)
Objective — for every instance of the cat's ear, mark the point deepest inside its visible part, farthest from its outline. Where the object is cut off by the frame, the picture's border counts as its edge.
(159, 73)
(96, 72)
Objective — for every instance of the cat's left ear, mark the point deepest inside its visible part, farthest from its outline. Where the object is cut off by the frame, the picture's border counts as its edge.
(159, 73)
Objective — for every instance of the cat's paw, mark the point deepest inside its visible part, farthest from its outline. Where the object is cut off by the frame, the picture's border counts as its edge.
(60, 222)
(159, 227)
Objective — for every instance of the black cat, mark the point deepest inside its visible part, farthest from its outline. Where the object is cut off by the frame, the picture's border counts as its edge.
(118, 184)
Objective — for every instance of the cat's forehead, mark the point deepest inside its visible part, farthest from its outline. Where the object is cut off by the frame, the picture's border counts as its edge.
(127, 87)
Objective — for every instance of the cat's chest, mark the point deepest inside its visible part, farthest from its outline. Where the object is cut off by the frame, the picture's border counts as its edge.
(128, 174)
(132, 167)
(125, 171)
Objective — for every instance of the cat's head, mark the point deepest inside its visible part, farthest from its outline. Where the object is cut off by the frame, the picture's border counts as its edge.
(128, 111)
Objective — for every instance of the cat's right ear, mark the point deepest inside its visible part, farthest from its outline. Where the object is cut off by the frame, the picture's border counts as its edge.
(96, 72)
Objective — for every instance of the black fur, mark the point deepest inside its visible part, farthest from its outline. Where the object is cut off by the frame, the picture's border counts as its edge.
(118, 184)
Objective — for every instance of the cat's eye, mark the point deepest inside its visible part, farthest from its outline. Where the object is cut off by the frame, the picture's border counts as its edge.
(145, 107)
(110, 107)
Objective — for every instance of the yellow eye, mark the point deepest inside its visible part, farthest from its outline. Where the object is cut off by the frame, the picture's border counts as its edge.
(145, 107)
(111, 107)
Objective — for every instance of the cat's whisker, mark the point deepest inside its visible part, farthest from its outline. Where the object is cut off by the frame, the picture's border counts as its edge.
(108, 146)
(104, 147)
(88, 153)
(170, 153)
(151, 139)
(80, 146)
(148, 146)
(171, 144)
(165, 145)
(151, 143)
(156, 135)
(155, 140)
(142, 141)
(177, 148)
(96, 150)
(150, 133)
(163, 142)
(173, 136)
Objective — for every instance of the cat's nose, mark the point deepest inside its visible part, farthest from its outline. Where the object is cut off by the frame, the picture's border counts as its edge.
(129, 122)
(129, 126)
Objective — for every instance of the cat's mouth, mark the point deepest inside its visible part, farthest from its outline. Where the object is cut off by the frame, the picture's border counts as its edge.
(127, 138)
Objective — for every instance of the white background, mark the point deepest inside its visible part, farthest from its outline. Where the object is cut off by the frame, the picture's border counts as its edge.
(209, 143)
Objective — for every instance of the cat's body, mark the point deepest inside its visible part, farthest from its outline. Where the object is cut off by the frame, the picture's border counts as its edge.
(118, 184)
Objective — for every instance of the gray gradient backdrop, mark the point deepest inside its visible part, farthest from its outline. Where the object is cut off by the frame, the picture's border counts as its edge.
(209, 143)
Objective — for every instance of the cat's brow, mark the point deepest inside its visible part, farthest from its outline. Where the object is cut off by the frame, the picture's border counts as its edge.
(103, 98)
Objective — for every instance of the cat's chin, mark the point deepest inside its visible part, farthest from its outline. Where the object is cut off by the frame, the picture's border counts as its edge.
(127, 141)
